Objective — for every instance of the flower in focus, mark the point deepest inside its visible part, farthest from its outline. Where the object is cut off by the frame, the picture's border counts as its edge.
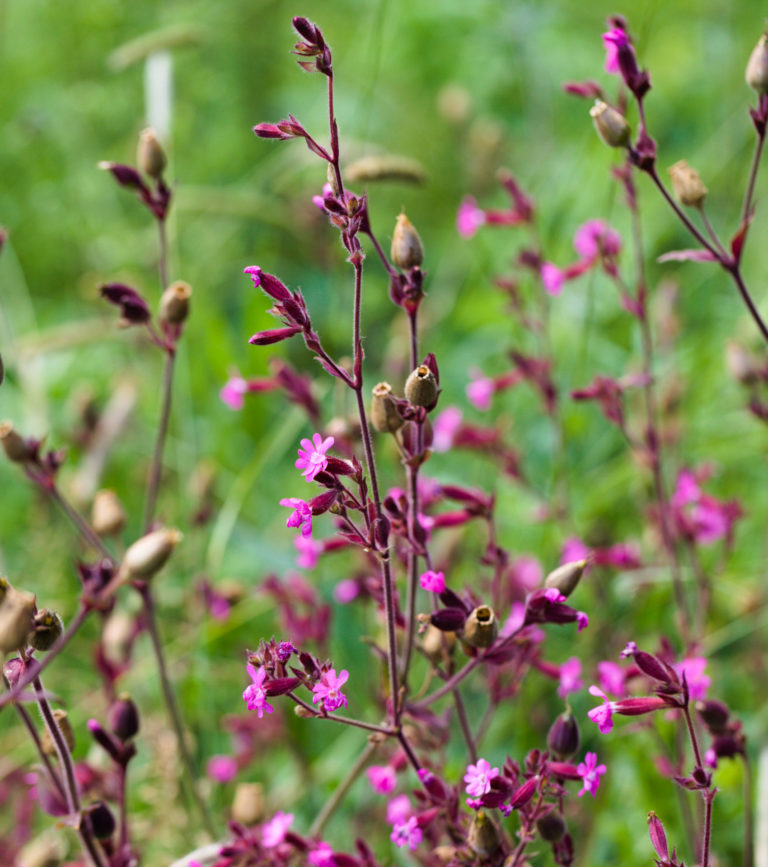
(328, 690)
(698, 682)
(595, 239)
(552, 278)
(302, 514)
(434, 581)
(254, 696)
(312, 459)
(222, 769)
(321, 856)
(233, 391)
(570, 681)
(590, 773)
(480, 391)
(478, 778)
(382, 778)
(273, 832)
(469, 217)
(407, 834)
(603, 714)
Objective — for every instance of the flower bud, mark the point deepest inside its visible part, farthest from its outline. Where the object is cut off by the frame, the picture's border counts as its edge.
(483, 836)
(566, 577)
(248, 804)
(407, 250)
(16, 448)
(714, 715)
(611, 125)
(174, 303)
(421, 387)
(563, 737)
(123, 717)
(551, 827)
(16, 612)
(687, 184)
(438, 645)
(65, 727)
(301, 711)
(756, 73)
(117, 636)
(46, 629)
(384, 415)
(107, 514)
(149, 554)
(150, 156)
(481, 627)
(101, 820)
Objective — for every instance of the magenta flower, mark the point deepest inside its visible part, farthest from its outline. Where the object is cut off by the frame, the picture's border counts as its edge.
(308, 551)
(222, 769)
(554, 595)
(328, 690)
(284, 651)
(582, 621)
(434, 581)
(233, 392)
(312, 459)
(407, 834)
(469, 217)
(273, 833)
(398, 810)
(630, 649)
(478, 778)
(590, 773)
(346, 590)
(321, 856)
(480, 391)
(573, 550)
(595, 239)
(603, 714)
(302, 514)
(254, 696)
(382, 778)
(698, 682)
(611, 676)
(552, 278)
(570, 681)
(526, 573)
(613, 40)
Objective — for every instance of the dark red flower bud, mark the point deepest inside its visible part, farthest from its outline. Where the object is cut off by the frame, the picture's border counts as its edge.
(524, 794)
(281, 685)
(101, 820)
(448, 619)
(551, 827)
(126, 176)
(273, 335)
(658, 837)
(655, 668)
(563, 737)
(133, 307)
(123, 718)
(714, 715)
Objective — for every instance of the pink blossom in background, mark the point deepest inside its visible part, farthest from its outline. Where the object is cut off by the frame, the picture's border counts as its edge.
(595, 239)
(514, 621)
(273, 832)
(408, 834)
(570, 680)
(480, 391)
(321, 856)
(552, 278)
(232, 394)
(302, 514)
(693, 669)
(222, 769)
(700, 516)
(398, 809)
(346, 590)
(478, 778)
(603, 714)
(382, 778)
(308, 551)
(582, 621)
(526, 573)
(710, 758)
(328, 690)
(613, 40)
(611, 676)
(573, 551)
(687, 489)
(444, 428)
(469, 217)
(312, 458)
(432, 581)
(254, 696)
(590, 773)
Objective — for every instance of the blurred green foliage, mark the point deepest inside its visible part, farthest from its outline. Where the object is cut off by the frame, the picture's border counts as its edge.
(400, 68)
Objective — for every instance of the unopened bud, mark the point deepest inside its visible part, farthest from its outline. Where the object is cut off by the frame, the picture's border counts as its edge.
(407, 250)
(150, 156)
(301, 711)
(483, 836)
(149, 554)
(65, 727)
(566, 577)
(563, 737)
(421, 387)
(687, 184)
(551, 827)
(46, 629)
(16, 612)
(756, 73)
(174, 304)
(107, 514)
(481, 627)
(248, 804)
(714, 715)
(15, 446)
(117, 636)
(611, 125)
(384, 415)
(101, 820)
(123, 718)
(438, 645)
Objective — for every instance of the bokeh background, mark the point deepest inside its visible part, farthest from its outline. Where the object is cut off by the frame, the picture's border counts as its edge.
(464, 89)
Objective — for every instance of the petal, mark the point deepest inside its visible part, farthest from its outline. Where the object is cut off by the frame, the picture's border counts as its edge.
(326, 444)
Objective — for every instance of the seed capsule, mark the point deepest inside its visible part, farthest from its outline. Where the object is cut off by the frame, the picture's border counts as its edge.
(407, 250)
(756, 74)
(107, 514)
(566, 577)
(17, 609)
(174, 305)
(149, 554)
(384, 415)
(687, 184)
(15, 446)
(248, 805)
(150, 156)
(483, 836)
(65, 727)
(46, 629)
(611, 125)
(481, 627)
(421, 387)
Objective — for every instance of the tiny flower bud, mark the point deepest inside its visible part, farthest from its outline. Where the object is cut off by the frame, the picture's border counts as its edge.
(611, 125)
(714, 715)
(16, 612)
(150, 156)
(46, 629)
(101, 820)
(563, 737)
(301, 711)
(687, 184)
(149, 554)
(756, 73)
(384, 415)
(566, 577)
(657, 835)
(483, 836)
(437, 644)
(551, 827)
(248, 804)
(107, 514)
(421, 387)
(481, 627)
(15, 446)
(407, 250)
(123, 718)
(174, 303)
(65, 727)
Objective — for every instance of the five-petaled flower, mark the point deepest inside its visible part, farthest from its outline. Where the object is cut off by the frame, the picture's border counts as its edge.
(254, 696)
(434, 581)
(478, 778)
(302, 514)
(408, 833)
(328, 690)
(602, 715)
(590, 773)
(312, 459)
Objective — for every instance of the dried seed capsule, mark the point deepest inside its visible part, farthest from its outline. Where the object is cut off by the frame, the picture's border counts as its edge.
(421, 387)
(384, 415)
(65, 727)
(481, 627)
(756, 74)
(687, 184)
(611, 125)
(566, 577)
(248, 804)
(16, 448)
(17, 609)
(150, 156)
(407, 250)
(46, 629)
(174, 304)
(149, 554)
(107, 514)
(483, 836)
(438, 645)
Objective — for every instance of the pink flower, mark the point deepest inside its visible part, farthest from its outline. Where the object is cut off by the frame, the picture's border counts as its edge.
(469, 217)
(254, 696)
(478, 778)
(552, 277)
(308, 551)
(603, 714)
(630, 649)
(273, 832)
(328, 690)
(613, 40)
(480, 391)
(398, 809)
(232, 392)
(582, 621)
(382, 778)
(321, 856)
(573, 550)
(595, 239)
(434, 581)
(590, 773)
(302, 514)
(222, 769)
(408, 834)
(312, 459)
(569, 677)
(687, 489)
(698, 682)
(611, 676)
(526, 573)
(346, 590)
(444, 429)
(554, 595)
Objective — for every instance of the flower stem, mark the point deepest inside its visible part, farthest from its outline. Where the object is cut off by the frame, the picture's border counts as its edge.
(340, 792)
(156, 469)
